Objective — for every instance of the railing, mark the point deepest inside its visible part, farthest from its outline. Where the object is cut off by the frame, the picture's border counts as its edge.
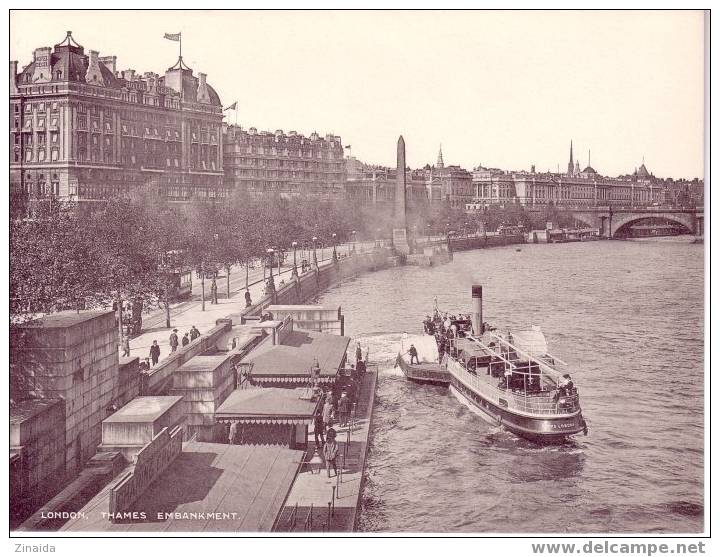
(544, 404)
(293, 518)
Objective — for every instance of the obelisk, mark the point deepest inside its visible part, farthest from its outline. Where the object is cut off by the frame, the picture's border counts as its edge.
(400, 241)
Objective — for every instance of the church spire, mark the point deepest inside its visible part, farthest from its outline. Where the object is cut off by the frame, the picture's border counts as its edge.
(440, 162)
(571, 165)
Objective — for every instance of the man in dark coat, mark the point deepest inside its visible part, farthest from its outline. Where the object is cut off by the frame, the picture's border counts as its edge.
(185, 340)
(154, 352)
(174, 341)
(194, 333)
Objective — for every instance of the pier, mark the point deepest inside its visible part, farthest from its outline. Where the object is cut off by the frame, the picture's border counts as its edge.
(317, 503)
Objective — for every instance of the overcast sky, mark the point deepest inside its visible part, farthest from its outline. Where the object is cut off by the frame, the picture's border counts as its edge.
(505, 89)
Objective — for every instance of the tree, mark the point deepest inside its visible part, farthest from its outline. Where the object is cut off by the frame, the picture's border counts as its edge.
(52, 263)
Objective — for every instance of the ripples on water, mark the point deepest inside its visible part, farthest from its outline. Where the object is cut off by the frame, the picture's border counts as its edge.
(627, 317)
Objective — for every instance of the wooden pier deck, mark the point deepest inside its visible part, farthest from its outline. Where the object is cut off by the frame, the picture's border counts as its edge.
(312, 489)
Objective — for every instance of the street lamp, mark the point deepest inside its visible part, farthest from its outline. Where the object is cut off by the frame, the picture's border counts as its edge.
(314, 241)
(353, 240)
(294, 271)
(334, 255)
(164, 268)
(270, 289)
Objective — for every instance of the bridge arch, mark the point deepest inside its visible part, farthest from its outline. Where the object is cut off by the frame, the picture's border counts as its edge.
(687, 220)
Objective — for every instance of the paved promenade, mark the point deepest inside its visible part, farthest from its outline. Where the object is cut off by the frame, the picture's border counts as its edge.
(184, 315)
(316, 489)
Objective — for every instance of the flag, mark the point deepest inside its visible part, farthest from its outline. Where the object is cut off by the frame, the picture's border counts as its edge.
(173, 36)
(233, 106)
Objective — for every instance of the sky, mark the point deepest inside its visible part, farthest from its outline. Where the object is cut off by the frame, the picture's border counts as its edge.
(501, 89)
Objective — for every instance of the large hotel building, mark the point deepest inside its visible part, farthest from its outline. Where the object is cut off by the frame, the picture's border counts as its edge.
(289, 164)
(82, 130)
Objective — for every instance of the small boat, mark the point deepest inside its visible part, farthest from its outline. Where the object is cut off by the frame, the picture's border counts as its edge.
(512, 378)
(427, 368)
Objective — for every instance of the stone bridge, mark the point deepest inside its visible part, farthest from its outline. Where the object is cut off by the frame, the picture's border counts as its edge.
(610, 220)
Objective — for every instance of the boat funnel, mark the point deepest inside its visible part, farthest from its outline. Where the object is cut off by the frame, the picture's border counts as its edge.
(477, 316)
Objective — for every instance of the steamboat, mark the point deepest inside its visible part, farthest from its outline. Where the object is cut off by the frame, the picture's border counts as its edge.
(509, 376)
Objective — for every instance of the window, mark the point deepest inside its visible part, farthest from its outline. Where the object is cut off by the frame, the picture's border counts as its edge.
(54, 154)
(55, 105)
(41, 122)
(28, 155)
(28, 109)
(41, 155)
(41, 108)
(17, 109)
(54, 137)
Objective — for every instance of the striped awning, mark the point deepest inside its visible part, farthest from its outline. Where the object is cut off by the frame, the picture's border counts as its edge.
(275, 421)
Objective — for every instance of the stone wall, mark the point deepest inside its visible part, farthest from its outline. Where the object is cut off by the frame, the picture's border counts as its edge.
(72, 356)
(159, 379)
(37, 454)
(204, 383)
(309, 285)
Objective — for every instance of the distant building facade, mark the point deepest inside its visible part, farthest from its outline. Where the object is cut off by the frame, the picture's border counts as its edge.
(83, 131)
(288, 164)
(580, 188)
(375, 185)
(448, 184)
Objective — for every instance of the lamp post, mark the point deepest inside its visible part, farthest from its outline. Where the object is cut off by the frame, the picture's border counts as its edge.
(270, 289)
(314, 241)
(213, 286)
(334, 255)
(165, 270)
(353, 240)
(294, 271)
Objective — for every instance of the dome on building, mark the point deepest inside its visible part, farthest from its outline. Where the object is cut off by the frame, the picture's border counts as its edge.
(589, 170)
(642, 172)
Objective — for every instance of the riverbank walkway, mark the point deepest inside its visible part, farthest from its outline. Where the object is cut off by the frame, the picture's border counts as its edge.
(306, 508)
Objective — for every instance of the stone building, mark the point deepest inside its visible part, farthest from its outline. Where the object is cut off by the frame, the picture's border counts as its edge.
(375, 185)
(288, 164)
(577, 188)
(448, 184)
(82, 130)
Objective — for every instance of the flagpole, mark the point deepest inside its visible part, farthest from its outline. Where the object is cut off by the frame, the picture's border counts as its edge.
(180, 44)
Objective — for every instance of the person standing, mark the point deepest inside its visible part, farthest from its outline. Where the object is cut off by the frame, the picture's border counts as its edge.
(174, 341)
(185, 340)
(318, 429)
(343, 408)
(327, 413)
(413, 354)
(126, 346)
(358, 353)
(330, 451)
(194, 333)
(248, 299)
(154, 353)
(232, 433)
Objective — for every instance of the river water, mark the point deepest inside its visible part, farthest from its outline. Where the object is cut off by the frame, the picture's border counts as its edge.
(628, 318)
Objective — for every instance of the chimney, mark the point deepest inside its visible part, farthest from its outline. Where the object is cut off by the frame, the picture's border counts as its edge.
(43, 71)
(13, 77)
(93, 73)
(109, 62)
(202, 91)
(477, 316)
(128, 75)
